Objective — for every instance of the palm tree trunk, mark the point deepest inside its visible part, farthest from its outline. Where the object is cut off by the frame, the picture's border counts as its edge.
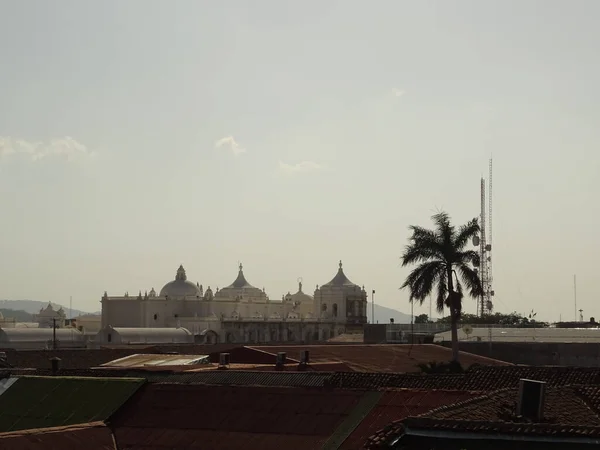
(454, 332)
(453, 318)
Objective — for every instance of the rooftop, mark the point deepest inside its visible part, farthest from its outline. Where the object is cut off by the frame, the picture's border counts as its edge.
(380, 358)
(91, 436)
(43, 402)
(162, 360)
(160, 415)
(397, 404)
(549, 334)
(569, 411)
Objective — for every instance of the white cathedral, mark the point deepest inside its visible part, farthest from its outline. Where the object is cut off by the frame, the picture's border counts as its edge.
(242, 313)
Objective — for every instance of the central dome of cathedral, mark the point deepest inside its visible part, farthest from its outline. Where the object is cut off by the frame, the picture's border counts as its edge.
(180, 287)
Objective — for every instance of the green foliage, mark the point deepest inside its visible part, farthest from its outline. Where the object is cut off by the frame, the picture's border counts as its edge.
(513, 319)
(422, 318)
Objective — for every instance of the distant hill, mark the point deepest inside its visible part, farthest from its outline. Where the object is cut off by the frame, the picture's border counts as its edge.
(34, 306)
(18, 315)
(383, 314)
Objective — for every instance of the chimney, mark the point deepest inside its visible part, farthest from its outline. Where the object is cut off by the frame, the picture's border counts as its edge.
(531, 399)
(280, 363)
(55, 363)
(223, 360)
(304, 359)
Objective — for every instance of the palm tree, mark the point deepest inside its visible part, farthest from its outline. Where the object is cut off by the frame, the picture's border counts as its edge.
(440, 254)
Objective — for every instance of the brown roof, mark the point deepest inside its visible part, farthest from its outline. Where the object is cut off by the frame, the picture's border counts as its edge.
(486, 379)
(86, 358)
(219, 417)
(92, 436)
(568, 412)
(380, 358)
(398, 404)
(493, 378)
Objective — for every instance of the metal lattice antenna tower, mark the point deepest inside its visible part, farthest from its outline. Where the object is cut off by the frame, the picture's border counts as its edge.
(490, 276)
(482, 248)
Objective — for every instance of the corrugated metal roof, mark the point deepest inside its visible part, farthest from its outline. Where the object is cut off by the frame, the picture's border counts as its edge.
(15, 335)
(43, 402)
(139, 359)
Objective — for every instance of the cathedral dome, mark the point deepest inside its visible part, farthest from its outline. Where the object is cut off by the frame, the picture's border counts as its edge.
(340, 280)
(240, 282)
(180, 287)
(300, 296)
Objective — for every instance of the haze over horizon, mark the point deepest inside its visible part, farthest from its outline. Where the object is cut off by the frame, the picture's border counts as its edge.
(136, 136)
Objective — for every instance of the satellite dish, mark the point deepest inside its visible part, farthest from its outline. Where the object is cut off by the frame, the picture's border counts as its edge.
(476, 241)
(467, 329)
(489, 306)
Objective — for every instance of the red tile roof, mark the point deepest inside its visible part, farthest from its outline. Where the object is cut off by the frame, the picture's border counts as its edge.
(398, 404)
(92, 436)
(380, 358)
(189, 416)
(568, 411)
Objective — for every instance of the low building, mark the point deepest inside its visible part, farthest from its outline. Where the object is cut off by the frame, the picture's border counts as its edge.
(39, 338)
(88, 323)
(129, 336)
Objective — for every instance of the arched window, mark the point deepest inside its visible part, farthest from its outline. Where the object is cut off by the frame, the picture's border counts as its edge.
(335, 310)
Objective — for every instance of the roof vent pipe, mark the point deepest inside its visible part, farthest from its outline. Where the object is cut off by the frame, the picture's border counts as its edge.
(55, 364)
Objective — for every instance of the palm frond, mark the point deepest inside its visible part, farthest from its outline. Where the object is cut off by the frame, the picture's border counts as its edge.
(444, 229)
(467, 257)
(424, 245)
(471, 280)
(421, 280)
(442, 294)
(465, 233)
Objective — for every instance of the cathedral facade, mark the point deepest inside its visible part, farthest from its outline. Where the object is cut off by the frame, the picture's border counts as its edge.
(242, 313)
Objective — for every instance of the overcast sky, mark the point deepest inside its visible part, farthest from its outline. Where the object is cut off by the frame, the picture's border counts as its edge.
(137, 135)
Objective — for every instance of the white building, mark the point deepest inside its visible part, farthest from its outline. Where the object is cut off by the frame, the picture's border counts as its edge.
(110, 335)
(36, 338)
(241, 312)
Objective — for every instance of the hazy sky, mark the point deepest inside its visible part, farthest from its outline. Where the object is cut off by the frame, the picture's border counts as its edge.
(136, 135)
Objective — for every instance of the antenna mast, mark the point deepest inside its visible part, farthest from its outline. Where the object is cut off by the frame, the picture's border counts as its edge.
(490, 276)
(485, 248)
(482, 247)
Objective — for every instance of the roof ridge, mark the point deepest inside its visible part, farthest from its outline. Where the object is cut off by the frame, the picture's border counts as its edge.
(463, 403)
(579, 393)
